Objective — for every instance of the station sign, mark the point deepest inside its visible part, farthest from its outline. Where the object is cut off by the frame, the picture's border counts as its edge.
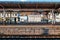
(8, 15)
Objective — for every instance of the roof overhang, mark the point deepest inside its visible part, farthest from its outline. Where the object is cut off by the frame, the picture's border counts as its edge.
(29, 5)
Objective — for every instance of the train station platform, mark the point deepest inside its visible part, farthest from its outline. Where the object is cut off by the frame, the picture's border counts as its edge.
(29, 29)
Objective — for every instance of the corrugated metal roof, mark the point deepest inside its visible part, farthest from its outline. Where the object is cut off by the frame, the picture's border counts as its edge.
(30, 3)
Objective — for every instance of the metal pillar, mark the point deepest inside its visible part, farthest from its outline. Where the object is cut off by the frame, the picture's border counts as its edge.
(53, 17)
(3, 13)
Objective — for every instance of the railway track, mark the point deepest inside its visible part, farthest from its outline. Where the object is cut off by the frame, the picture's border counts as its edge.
(29, 36)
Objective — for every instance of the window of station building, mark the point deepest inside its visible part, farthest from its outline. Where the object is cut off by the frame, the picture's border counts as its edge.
(44, 17)
(50, 17)
(57, 18)
(37, 17)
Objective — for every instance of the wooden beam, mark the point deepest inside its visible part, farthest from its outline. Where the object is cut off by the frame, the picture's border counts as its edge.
(26, 9)
(19, 6)
(36, 6)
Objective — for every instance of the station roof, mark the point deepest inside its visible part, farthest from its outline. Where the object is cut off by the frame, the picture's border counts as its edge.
(29, 4)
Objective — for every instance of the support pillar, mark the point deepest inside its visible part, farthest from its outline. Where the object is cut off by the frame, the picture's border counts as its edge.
(53, 17)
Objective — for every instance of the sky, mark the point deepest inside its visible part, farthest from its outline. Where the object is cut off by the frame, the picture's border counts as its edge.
(33, 0)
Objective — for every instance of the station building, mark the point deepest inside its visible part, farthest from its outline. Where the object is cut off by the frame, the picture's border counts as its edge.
(30, 18)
